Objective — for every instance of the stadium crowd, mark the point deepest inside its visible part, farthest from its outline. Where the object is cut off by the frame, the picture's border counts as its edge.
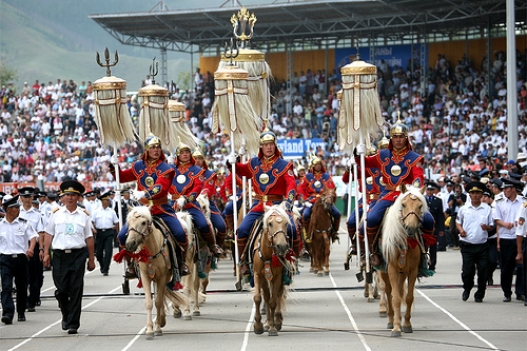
(48, 130)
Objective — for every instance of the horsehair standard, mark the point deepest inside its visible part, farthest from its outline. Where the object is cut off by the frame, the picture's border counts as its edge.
(394, 233)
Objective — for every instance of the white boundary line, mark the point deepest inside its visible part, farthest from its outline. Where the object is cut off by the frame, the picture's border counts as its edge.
(248, 329)
(348, 312)
(464, 326)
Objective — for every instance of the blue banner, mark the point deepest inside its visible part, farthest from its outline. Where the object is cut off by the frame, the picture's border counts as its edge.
(298, 148)
(393, 55)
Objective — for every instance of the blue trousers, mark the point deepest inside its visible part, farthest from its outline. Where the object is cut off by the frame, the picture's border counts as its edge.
(229, 208)
(172, 223)
(248, 221)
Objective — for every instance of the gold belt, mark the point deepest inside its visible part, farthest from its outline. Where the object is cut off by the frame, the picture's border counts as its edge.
(268, 198)
(157, 202)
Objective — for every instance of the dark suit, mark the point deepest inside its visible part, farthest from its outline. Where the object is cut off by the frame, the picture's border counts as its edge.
(435, 206)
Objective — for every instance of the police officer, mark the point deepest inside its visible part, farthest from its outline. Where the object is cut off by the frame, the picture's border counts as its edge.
(474, 221)
(105, 222)
(17, 244)
(69, 229)
(36, 269)
(435, 207)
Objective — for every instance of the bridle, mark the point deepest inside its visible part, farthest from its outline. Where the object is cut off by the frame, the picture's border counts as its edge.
(145, 234)
(271, 236)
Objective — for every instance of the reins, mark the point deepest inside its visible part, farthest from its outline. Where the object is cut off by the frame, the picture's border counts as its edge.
(145, 234)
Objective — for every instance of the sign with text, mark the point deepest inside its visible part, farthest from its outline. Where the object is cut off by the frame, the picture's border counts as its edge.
(298, 148)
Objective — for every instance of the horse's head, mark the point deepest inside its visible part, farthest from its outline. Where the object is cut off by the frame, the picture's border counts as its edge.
(413, 207)
(328, 197)
(139, 221)
(275, 223)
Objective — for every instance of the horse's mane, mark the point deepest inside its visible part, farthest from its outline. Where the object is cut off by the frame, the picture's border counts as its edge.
(278, 209)
(394, 232)
(139, 211)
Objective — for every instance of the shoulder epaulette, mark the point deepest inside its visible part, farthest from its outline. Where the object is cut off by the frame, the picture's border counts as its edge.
(525, 204)
(22, 219)
(55, 209)
(499, 199)
(86, 211)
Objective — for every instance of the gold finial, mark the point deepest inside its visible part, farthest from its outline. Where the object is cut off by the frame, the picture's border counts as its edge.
(154, 70)
(107, 59)
(243, 21)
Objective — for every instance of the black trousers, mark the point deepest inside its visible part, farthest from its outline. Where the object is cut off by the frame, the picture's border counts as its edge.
(507, 264)
(475, 256)
(104, 248)
(68, 276)
(13, 268)
(494, 256)
(35, 278)
(433, 254)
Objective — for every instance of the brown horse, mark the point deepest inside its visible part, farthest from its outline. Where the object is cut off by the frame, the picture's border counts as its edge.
(271, 257)
(148, 243)
(319, 231)
(401, 223)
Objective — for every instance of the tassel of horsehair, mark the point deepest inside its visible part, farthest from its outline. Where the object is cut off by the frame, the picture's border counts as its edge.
(275, 261)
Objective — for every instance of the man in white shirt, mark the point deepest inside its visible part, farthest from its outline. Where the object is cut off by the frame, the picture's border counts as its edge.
(105, 229)
(17, 244)
(473, 222)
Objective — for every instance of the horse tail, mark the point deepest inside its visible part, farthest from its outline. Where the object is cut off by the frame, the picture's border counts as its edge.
(176, 297)
(393, 232)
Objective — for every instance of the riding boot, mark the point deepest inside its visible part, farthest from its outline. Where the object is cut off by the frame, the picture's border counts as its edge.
(244, 267)
(296, 247)
(220, 239)
(376, 257)
(183, 267)
(130, 272)
(211, 241)
(229, 224)
(335, 231)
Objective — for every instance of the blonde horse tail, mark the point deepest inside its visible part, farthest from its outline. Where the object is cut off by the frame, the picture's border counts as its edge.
(177, 298)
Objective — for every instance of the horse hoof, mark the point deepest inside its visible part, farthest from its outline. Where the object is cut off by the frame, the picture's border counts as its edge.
(371, 299)
(311, 270)
(187, 318)
(258, 331)
(319, 274)
(383, 314)
(177, 314)
(149, 336)
(407, 329)
(278, 327)
(196, 313)
(326, 272)
(395, 334)
(273, 333)
(158, 333)
(389, 326)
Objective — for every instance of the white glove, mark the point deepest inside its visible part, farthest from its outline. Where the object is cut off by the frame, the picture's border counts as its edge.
(242, 151)
(170, 160)
(137, 195)
(181, 202)
(114, 159)
(351, 162)
(232, 159)
(309, 204)
(361, 149)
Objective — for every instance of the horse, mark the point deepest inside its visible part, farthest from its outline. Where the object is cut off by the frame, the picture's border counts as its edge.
(149, 245)
(190, 281)
(205, 256)
(402, 224)
(319, 231)
(272, 256)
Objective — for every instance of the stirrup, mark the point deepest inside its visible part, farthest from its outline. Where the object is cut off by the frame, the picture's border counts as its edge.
(216, 250)
(130, 273)
(244, 270)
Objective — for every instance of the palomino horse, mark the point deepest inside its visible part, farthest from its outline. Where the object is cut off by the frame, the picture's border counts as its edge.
(271, 257)
(319, 231)
(402, 224)
(190, 281)
(149, 244)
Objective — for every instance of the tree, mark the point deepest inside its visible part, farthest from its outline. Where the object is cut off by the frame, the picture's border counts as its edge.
(7, 74)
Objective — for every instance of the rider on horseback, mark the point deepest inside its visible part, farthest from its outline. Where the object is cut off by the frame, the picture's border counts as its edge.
(316, 181)
(374, 187)
(185, 188)
(273, 182)
(398, 164)
(209, 188)
(153, 176)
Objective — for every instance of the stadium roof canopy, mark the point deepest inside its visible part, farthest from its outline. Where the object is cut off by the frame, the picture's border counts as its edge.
(320, 23)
